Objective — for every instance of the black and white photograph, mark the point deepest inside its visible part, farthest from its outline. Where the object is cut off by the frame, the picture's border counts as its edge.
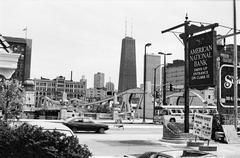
(119, 78)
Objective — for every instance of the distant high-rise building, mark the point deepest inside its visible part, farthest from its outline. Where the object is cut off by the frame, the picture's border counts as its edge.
(109, 86)
(24, 47)
(99, 80)
(153, 61)
(83, 80)
(127, 73)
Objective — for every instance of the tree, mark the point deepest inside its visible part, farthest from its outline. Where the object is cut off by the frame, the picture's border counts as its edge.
(11, 98)
(32, 142)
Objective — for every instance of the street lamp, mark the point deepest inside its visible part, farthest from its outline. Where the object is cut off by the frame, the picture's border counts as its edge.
(144, 80)
(154, 89)
(164, 76)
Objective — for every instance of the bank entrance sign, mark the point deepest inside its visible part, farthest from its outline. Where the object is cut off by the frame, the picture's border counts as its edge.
(201, 60)
(226, 82)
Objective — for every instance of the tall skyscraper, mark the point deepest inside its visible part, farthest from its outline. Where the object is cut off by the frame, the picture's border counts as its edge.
(24, 47)
(99, 80)
(127, 73)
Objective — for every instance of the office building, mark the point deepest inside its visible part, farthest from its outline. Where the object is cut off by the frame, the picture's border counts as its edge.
(175, 74)
(55, 88)
(99, 80)
(127, 72)
(153, 61)
(109, 86)
(24, 47)
(110, 89)
(93, 94)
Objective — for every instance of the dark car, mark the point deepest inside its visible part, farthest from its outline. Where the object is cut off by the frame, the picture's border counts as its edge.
(85, 124)
(187, 153)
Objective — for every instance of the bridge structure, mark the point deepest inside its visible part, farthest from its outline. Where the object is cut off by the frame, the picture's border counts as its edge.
(123, 102)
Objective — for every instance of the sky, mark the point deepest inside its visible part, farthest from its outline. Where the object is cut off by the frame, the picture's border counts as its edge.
(84, 36)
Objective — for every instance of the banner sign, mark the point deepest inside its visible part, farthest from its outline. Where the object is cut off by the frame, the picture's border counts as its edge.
(201, 60)
(226, 89)
(202, 126)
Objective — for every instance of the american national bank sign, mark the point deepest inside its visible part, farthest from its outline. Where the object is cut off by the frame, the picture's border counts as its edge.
(202, 60)
(226, 82)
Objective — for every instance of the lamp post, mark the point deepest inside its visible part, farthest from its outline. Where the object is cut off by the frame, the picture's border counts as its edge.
(164, 76)
(154, 89)
(144, 81)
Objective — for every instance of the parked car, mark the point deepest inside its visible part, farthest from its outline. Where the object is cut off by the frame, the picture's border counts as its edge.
(85, 124)
(50, 126)
(187, 153)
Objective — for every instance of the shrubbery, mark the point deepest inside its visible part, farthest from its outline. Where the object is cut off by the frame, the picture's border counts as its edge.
(31, 142)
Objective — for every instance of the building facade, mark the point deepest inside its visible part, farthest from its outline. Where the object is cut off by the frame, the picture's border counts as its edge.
(56, 88)
(95, 94)
(110, 86)
(24, 47)
(152, 62)
(99, 80)
(127, 72)
(175, 74)
(110, 89)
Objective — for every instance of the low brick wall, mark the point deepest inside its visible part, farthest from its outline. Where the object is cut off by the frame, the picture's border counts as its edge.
(175, 131)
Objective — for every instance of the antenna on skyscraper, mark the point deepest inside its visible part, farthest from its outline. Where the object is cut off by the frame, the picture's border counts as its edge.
(131, 27)
(126, 27)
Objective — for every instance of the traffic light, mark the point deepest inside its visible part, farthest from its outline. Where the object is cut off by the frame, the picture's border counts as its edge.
(171, 87)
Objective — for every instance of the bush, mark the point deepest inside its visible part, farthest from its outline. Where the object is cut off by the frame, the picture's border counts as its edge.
(32, 142)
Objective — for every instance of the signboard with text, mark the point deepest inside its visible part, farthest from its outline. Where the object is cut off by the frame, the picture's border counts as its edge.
(226, 90)
(202, 126)
(201, 60)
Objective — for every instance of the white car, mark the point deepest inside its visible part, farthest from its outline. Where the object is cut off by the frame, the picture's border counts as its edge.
(45, 125)
(50, 126)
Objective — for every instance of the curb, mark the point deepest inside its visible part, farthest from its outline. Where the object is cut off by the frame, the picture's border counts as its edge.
(174, 141)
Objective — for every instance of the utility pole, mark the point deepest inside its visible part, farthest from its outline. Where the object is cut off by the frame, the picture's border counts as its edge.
(164, 76)
(154, 89)
(235, 68)
(186, 78)
(144, 80)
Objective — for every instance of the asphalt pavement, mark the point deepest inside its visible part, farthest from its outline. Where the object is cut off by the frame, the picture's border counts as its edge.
(223, 150)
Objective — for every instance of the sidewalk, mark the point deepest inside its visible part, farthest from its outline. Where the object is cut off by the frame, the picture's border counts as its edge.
(223, 150)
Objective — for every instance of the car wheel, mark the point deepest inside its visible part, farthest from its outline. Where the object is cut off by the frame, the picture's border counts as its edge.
(101, 130)
(74, 129)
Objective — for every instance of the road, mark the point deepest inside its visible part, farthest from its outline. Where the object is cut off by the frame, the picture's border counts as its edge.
(132, 139)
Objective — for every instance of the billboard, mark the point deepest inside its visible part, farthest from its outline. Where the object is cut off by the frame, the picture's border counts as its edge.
(201, 60)
(226, 85)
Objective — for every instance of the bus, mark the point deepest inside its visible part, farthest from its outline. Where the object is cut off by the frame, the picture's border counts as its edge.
(175, 113)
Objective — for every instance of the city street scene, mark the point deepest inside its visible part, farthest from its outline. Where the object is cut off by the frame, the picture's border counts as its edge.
(119, 79)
